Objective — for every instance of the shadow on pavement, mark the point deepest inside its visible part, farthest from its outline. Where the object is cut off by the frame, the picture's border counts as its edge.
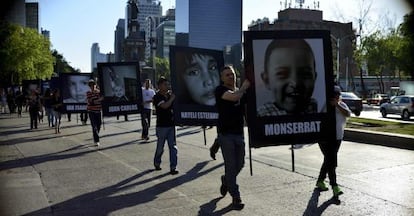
(313, 210)
(112, 198)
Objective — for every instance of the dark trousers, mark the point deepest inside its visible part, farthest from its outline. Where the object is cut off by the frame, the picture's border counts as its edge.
(330, 160)
(84, 117)
(232, 148)
(34, 115)
(145, 121)
(96, 121)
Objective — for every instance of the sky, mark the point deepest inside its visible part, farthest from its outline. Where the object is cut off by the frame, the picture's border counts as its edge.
(75, 25)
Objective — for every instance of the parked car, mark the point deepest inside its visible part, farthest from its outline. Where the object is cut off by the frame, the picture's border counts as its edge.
(354, 102)
(378, 99)
(400, 105)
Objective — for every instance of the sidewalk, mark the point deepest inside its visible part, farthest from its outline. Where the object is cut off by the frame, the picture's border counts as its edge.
(42, 173)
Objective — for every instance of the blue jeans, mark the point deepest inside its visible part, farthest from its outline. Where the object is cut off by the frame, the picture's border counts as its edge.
(145, 121)
(166, 134)
(232, 148)
(96, 121)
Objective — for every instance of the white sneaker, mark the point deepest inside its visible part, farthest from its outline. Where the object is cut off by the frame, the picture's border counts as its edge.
(97, 143)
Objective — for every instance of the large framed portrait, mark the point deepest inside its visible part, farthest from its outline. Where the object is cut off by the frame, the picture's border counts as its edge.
(120, 85)
(292, 81)
(73, 87)
(28, 86)
(195, 74)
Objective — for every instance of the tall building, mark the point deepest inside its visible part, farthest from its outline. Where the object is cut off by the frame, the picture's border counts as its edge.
(148, 8)
(32, 15)
(96, 56)
(151, 24)
(213, 24)
(119, 40)
(14, 11)
(165, 38)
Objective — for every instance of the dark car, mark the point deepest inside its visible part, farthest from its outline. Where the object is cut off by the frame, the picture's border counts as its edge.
(400, 105)
(378, 99)
(354, 102)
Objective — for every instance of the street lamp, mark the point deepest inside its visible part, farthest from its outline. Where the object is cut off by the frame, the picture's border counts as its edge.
(338, 42)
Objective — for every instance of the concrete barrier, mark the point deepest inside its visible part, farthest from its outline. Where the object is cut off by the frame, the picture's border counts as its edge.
(379, 138)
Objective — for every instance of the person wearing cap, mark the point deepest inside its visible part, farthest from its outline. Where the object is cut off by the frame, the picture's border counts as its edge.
(330, 148)
(94, 107)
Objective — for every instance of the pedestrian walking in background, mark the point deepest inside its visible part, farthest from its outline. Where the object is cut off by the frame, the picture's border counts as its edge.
(34, 107)
(330, 148)
(165, 128)
(147, 97)
(47, 104)
(230, 105)
(20, 100)
(57, 109)
(94, 108)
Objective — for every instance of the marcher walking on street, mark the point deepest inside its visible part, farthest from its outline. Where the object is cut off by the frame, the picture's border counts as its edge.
(330, 148)
(94, 108)
(165, 128)
(230, 106)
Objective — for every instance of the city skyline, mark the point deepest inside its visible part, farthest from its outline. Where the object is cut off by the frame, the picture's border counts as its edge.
(73, 33)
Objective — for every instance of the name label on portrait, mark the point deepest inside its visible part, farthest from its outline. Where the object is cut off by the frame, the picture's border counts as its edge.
(119, 108)
(75, 107)
(199, 115)
(292, 128)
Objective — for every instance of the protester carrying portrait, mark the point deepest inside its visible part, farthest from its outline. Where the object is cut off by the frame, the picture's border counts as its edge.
(147, 98)
(165, 129)
(230, 105)
(330, 148)
(94, 108)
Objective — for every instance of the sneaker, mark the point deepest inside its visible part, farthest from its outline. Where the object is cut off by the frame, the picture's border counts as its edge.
(223, 187)
(97, 143)
(337, 191)
(320, 185)
(212, 154)
(174, 172)
(157, 168)
(237, 203)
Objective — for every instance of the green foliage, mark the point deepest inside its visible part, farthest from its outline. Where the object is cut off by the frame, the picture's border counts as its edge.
(61, 65)
(24, 54)
(380, 126)
(162, 66)
(386, 55)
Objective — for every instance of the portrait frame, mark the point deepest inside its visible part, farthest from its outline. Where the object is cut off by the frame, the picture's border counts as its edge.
(74, 103)
(120, 85)
(187, 111)
(288, 129)
(28, 85)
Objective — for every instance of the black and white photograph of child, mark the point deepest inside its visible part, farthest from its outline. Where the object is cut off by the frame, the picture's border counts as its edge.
(290, 76)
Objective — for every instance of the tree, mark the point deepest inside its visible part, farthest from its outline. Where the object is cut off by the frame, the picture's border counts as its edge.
(406, 50)
(162, 67)
(24, 54)
(61, 65)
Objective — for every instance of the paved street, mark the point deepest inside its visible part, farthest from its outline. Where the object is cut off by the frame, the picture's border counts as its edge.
(42, 173)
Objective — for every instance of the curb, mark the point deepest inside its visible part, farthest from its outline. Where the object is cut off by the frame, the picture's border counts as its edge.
(379, 138)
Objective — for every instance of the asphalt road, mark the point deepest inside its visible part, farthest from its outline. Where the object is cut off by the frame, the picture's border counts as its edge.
(42, 173)
(372, 112)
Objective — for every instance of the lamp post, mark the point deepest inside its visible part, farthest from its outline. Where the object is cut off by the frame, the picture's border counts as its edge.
(152, 42)
(338, 43)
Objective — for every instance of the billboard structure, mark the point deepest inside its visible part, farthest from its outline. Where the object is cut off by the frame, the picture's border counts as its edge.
(195, 74)
(292, 81)
(73, 87)
(120, 85)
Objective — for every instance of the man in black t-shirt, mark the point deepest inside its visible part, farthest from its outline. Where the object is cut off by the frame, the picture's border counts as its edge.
(230, 106)
(165, 128)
